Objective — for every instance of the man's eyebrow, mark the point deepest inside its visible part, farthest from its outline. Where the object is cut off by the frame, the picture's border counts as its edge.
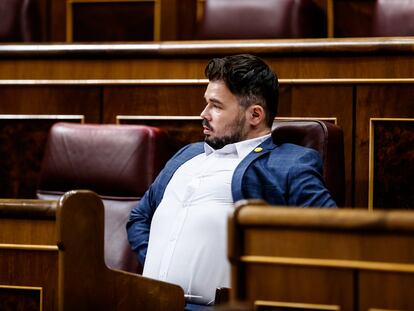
(214, 100)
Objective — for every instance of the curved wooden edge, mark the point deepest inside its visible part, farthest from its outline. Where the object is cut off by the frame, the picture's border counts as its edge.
(85, 281)
(27, 209)
(251, 214)
(325, 46)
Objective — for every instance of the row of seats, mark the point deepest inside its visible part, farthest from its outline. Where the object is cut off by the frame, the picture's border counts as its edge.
(249, 19)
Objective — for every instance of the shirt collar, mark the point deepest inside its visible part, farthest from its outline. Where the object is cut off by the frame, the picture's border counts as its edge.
(239, 149)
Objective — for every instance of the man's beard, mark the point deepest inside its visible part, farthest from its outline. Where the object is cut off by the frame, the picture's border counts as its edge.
(237, 134)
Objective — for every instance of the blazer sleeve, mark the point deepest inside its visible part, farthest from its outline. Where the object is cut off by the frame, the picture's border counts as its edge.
(139, 223)
(305, 182)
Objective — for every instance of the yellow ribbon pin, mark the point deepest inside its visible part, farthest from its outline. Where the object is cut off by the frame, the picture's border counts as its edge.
(258, 149)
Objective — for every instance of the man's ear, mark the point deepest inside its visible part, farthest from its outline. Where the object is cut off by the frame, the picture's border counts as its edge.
(256, 115)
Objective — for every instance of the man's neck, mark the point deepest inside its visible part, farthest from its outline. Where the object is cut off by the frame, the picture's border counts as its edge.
(258, 133)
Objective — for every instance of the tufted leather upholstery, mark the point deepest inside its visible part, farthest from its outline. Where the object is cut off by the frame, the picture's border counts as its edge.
(252, 19)
(118, 162)
(19, 21)
(324, 137)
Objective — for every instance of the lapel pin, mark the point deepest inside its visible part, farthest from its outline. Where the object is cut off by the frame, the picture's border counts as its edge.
(258, 149)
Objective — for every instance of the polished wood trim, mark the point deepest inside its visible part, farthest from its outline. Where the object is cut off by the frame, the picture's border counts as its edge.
(29, 247)
(119, 118)
(330, 263)
(195, 81)
(330, 18)
(333, 120)
(43, 116)
(371, 155)
(338, 219)
(296, 305)
(157, 20)
(69, 21)
(107, 82)
(27, 208)
(328, 47)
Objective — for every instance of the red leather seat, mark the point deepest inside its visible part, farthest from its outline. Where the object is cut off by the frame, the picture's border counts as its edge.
(118, 162)
(324, 137)
(252, 19)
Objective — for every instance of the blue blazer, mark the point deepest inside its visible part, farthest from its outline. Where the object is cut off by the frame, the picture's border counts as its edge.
(284, 174)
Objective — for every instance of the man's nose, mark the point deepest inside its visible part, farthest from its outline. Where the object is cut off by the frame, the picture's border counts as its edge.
(204, 114)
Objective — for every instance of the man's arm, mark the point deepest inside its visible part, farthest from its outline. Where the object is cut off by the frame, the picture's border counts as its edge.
(305, 182)
(138, 226)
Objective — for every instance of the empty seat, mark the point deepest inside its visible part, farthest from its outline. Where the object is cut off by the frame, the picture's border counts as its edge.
(251, 19)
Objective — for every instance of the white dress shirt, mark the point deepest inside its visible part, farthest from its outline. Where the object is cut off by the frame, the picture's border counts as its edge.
(188, 237)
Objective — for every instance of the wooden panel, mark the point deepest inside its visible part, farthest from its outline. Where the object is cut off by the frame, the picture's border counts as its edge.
(26, 231)
(51, 99)
(386, 291)
(391, 163)
(22, 142)
(376, 101)
(339, 245)
(353, 18)
(57, 20)
(172, 99)
(300, 285)
(127, 20)
(319, 101)
(37, 268)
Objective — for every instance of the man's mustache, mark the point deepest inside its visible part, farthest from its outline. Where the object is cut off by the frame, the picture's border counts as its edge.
(207, 124)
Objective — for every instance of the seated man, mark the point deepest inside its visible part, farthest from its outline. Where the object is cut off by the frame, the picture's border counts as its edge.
(179, 228)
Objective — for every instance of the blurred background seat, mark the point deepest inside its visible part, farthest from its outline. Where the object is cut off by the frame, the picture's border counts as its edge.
(251, 19)
(19, 21)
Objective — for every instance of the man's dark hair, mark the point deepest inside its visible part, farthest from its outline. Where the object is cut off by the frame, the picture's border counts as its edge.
(250, 79)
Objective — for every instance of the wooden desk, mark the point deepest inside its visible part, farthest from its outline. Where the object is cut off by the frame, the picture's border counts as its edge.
(321, 259)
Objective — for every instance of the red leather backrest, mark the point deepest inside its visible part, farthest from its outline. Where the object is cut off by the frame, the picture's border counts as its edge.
(252, 19)
(112, 160)
(118, 162)
(324, 137)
